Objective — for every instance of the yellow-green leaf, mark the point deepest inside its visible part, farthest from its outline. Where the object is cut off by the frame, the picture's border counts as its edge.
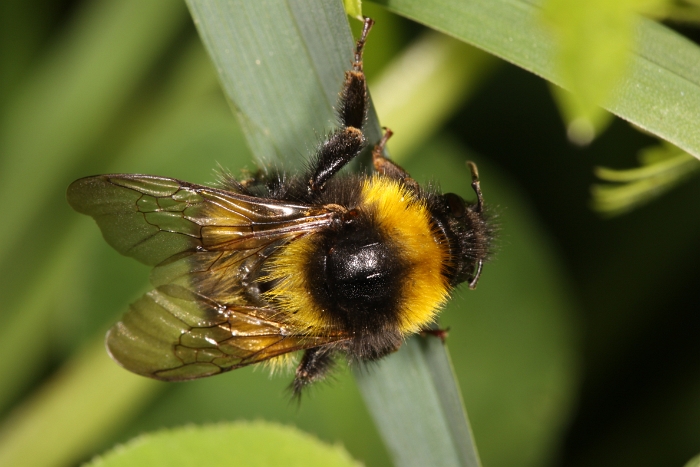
(595, 40)
(224, 445)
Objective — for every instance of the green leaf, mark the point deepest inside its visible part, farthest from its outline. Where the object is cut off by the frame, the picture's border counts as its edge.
(595, 40)
(72, 98)
(230, 444)
(281, 66)
(413, 395)
(353, 8)
(312, 47)
(663, 167)
(660, 91)
(694, 462)
(87, 398)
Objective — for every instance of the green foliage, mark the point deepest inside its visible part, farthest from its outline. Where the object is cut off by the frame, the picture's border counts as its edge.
(424, 410)
(353, 8)
(660, 92)
(595, 41)
(123, 86)
(226, 444)
(694, 462)
(662, 168)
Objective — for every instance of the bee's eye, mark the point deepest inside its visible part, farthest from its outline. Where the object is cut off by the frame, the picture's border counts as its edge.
(455, 205)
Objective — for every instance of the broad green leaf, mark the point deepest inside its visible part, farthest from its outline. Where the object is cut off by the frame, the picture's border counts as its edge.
(227, 444)
(660, 92)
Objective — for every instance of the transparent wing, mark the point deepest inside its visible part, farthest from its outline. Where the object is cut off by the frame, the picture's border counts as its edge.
(205, 315)
(154, 218)
(171, 334)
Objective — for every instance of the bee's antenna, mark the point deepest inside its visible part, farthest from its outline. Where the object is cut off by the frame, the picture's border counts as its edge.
(476, 186)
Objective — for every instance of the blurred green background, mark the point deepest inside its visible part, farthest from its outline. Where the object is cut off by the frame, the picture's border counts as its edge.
(580, 346)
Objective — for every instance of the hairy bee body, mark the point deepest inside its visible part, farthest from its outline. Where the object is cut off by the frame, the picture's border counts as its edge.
(380, 272)
(259, 268)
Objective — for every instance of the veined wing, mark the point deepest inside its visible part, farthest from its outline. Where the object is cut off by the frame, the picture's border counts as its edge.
(208, 245)
(153, 218)
(171, 334)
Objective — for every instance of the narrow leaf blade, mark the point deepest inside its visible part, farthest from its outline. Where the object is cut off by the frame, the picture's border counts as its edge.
(660, 92)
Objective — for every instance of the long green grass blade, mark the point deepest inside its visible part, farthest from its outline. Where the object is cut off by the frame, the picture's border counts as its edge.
(660, 91)
(281, 65)
(416, 403)
(87, 398)
(54, 117)
(283, 81)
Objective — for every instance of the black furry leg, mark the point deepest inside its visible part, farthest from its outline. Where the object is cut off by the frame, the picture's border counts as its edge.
(352, 102)
(346, 143)
(314, 365)
(342, 147)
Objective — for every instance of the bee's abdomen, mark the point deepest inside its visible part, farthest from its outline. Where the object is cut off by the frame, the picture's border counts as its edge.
(359, 272)
(359, 278)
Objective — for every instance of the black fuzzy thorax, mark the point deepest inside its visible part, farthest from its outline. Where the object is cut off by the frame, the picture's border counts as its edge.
(344, 190)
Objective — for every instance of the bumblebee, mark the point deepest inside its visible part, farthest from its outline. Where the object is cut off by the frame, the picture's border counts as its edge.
(254, 270)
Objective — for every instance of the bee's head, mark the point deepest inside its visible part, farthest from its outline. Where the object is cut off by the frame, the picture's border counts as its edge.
(467, 231)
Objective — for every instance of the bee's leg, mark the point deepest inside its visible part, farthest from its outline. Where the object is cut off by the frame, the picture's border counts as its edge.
(386, 167)
(347, 142)
(314, 365)
(475, 277)
(439, 333)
